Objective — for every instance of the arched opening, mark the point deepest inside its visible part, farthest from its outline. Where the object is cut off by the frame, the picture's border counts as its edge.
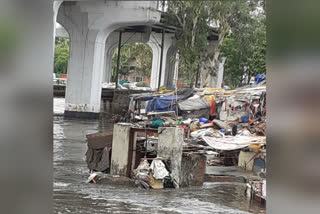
(61, 58)
(61, 55)
(135, 65)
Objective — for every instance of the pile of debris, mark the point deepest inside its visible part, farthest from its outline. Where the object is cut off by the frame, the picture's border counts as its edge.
(155, 176)
(98, 155)
(217, 127)
(256, 191)
(215, 119)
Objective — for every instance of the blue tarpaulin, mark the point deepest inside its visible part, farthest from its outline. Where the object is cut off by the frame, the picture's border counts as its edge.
(259, 78)
(146, 98)
(159, 104)
(162, 104)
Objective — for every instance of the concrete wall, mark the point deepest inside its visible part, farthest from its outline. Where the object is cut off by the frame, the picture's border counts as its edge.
(193, 169)
(244, 158)
(120, 149)
(120, 101)
(170, 147)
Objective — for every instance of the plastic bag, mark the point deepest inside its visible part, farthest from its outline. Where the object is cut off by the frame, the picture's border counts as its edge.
(158, 168)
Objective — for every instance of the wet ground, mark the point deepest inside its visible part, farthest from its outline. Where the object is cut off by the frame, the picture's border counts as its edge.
(73, 195)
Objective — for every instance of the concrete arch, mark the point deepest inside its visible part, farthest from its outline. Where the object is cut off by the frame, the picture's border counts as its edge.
(70, 17)
(170, 65)
(133, 16)
(155, 63)
(61, 31)
(112, 44)
(155, 44)
(89, 25)
(56, 7)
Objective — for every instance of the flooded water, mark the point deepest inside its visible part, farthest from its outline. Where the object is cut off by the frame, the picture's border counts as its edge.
(73, 195)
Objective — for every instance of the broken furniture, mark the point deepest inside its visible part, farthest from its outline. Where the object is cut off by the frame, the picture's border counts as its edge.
(98, 155)
(126, 153)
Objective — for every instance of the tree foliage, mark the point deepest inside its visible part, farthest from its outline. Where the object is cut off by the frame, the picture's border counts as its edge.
(61, 55)
(246, 46)
(192, 20)
(140, 54)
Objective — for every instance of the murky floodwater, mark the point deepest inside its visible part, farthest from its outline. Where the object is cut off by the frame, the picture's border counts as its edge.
(73, 195)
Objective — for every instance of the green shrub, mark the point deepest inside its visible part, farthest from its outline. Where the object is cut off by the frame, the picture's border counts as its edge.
(142, 84)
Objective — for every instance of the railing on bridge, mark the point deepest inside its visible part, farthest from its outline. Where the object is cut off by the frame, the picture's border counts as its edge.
(59, 81)
(162, 5)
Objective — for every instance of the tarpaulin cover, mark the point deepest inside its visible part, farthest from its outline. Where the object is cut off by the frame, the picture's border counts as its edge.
(146, 98)
(185, 94)
(259, 78)
(162, 104)
(159, 104)
(232, 142)
(156, 123)
(194, 104)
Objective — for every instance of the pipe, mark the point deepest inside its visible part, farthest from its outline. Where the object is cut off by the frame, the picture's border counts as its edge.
(161, 57)
(118, 59)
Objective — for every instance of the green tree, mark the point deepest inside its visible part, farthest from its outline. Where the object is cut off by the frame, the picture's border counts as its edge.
(61, 55)
(192, 20)
(141, 54)
(196, 18)
(233, 68)
(245, 49)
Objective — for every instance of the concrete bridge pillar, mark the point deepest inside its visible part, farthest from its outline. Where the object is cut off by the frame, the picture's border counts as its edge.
(155, 63)
(170, 65)
(107, 73)
(89, 24)
(176, 70)
(155, 44)
(80, 97)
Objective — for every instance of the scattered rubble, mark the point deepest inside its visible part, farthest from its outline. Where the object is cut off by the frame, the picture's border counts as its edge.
(170, 137)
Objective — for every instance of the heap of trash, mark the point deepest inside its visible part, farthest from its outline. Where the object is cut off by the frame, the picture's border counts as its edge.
(227, 127)
(126, 86)
(155, 176)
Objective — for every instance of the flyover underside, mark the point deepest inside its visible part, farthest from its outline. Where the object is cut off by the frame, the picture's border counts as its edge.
(89, 24)
(93, 29)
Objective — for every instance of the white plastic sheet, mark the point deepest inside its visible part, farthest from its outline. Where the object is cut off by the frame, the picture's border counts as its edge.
(194, 104)
(206, 132)
(159, 169)
(202, 132)
(232, 142)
